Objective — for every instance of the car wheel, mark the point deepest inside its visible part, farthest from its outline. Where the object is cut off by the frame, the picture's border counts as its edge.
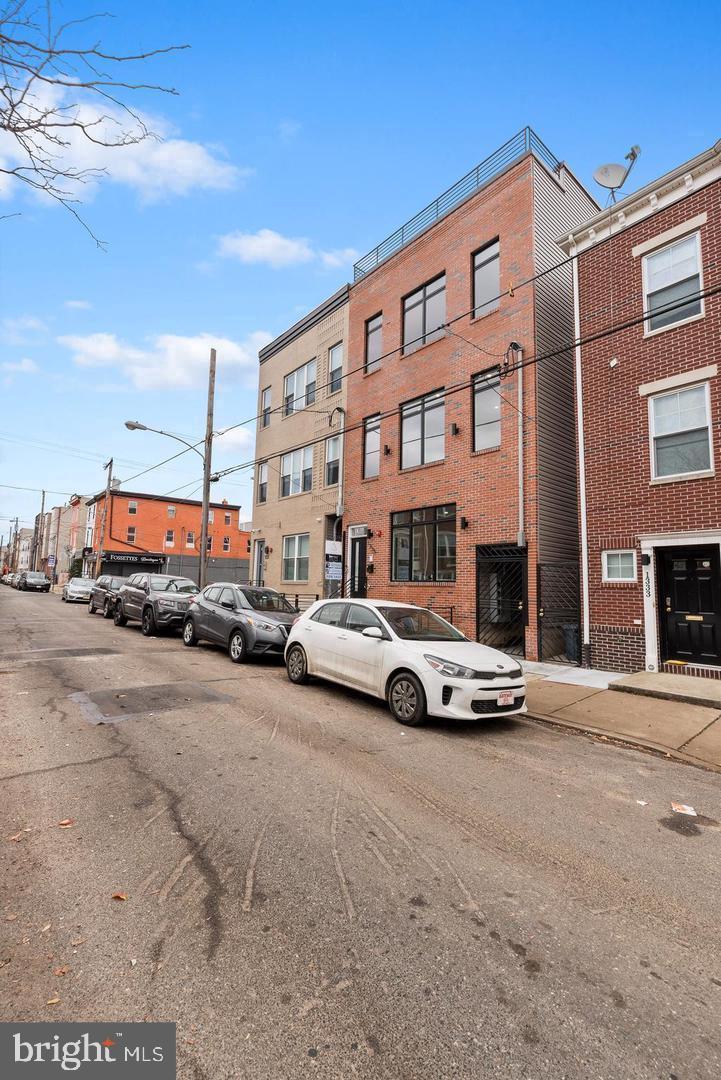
(147, 625)
(118, 617)
(296, 665)
(91, 607)
(64, 598)
(237, 648)
(189, 635)
(406, 699)
(107, 610)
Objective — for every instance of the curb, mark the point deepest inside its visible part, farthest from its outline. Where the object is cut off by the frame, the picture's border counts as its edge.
(624, 740)
(666, 695)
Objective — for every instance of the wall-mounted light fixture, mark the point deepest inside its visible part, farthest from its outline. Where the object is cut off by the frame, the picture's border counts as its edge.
(387, 450)
(464, 523)
(455, 430)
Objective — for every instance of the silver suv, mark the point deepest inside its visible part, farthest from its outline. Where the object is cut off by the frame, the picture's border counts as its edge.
(243, 619)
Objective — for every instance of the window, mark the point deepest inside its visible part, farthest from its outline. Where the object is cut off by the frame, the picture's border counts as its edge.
(209, 543)
(132, 507)
(295, 557)
(265, 407)
(423, 544)
(171, 511)
(374, 342)
(371, 446)
(486, 411)
(296, 472)
(332, 460)
(359, 617)
(299, 389)
(618, 565)
(335, 368)
(424, 313)
(228, 517)
(228, 597)
(211, 517)
(212, 595)
(190, 539)
(169, 538)
(130, 537)
(680, 432)
(670, 276)
(423, 430)
(486, 279)
(330, 614)
(226, 543)
(263, 482)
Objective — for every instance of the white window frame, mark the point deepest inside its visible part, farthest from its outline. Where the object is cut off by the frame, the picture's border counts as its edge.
(300, 379)
(226, 543)
(190, 538)
(266, 407)
(170, 533)
(211, 517)
(607, 579)
(262, 483)
(295, 537)
(228, 517)
(296, 457)
(133, 506)
(328, 442)
(335, 349)
(673, 477)
(171, 511)
(647, 331)
(208, 544)
(131, 529)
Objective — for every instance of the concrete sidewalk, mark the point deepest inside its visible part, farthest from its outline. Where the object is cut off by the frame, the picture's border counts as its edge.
(664, 722)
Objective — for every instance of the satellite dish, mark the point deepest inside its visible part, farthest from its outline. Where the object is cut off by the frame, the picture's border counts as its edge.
(610, 176)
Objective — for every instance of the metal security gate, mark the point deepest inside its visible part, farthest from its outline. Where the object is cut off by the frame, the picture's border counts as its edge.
(559, 612)
(501, 608)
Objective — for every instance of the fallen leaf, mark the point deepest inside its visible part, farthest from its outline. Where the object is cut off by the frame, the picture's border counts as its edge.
(66, 823)
(16, 838)
(119, 896)
(46, 928)
(641, 802)
(682, 808)
(53, 1001)
(133, 963)
(78, 941)
(10, 918)
(61, 970)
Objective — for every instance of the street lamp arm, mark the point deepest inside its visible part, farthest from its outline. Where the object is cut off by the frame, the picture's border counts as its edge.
(133, 425)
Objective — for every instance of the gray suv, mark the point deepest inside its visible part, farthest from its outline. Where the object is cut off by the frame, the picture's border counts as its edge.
(247, 621)
(157, 601)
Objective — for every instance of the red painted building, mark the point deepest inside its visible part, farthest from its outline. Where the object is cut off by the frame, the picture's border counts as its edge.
(460, 482)
(649, 410)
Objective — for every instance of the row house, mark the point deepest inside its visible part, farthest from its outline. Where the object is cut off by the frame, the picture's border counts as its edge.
(133, 531)
(648, 393)
(297, 513)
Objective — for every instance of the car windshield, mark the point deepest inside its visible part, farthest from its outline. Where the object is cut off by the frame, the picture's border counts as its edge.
(82, 581)
(267, 600)
(35, 577)
(114, 582)
(419, 624)
(175, 584)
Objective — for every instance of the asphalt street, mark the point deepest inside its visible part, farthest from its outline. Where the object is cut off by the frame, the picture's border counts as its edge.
(313, 890)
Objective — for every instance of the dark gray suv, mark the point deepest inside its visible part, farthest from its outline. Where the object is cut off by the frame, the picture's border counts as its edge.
(157, 601)
(247, 621)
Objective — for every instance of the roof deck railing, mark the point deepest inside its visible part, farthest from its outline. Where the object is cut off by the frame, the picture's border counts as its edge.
(524, 142)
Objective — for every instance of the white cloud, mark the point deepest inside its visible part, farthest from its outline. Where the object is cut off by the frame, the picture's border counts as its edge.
(78, 305)
(21, 329)
(288, 129)
(277, 251)
(169, 360)
(237, 439)
(26, 366)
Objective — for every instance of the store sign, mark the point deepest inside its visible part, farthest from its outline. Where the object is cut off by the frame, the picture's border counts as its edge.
(141, 560)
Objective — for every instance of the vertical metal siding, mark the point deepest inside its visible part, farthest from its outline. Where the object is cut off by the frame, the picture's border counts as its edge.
(556, 211)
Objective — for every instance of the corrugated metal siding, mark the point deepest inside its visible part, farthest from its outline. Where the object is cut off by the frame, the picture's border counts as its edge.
(557, 211)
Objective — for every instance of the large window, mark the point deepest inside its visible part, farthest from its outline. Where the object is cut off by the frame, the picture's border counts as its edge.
(335, 368)
(486, 411)
(296, 471)
(295, 557)
(265, 407)
(486, 279)
(423, 424)
(263, 482)
(332, 460)
(680, 432)
(299, 389)
(374, 342)
(424, 313)
(423, 544)
(670, 276)
(371, 446)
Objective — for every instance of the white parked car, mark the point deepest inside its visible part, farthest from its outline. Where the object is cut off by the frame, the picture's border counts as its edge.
(408, 655)
(78, 588)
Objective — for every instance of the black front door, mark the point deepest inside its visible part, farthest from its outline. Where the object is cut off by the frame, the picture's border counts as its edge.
(358, 579)
(690, 604)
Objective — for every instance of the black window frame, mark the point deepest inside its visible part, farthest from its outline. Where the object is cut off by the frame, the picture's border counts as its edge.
(368, 420)
(495, 302)
(373, 365)
(423, 412)
(492, 378)
(408, 526)
(426, 336)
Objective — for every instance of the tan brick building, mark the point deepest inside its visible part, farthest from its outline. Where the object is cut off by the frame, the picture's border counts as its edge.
(297, 512)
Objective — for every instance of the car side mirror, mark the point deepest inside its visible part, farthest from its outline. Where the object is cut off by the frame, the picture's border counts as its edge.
(228, 604)
(373, 632)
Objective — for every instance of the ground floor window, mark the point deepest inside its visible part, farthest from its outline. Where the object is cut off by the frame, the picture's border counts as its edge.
(423, 544)
(618, 565)
(295, 557)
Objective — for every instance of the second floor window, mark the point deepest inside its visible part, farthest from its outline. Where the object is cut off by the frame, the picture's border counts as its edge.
(374, 342)
(486, 279)
(424, 313)
(486, 411)
(299, 389)
(265, 407)
(296, 471)
(132, 507)
(371, 446)
(335, 368)
(680, 432)
(130, 537)
(226, 543)
(190, 539)
(332, 460)
(672, 275)
(171, 511)
(228, 517)
(423, 423)
(169, 538)
(263, 482)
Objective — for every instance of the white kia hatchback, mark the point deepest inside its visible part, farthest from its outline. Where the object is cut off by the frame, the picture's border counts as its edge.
(408, 655)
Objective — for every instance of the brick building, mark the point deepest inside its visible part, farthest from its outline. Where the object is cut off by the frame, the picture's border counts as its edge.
(149, 532)
(649, 409)
(460, 477)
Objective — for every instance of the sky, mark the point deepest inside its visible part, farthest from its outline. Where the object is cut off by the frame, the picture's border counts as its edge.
(301, 135)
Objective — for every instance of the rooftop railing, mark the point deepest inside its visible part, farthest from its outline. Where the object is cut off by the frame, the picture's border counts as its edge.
(524, 142)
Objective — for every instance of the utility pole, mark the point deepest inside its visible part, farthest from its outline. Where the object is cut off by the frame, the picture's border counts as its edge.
(206, 473)
(38, 537)
(14, 559)
(108, 495)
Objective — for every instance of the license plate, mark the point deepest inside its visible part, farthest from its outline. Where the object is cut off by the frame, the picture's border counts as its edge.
(505, 697)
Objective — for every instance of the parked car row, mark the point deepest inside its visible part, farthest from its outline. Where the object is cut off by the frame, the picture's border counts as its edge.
(27, 580)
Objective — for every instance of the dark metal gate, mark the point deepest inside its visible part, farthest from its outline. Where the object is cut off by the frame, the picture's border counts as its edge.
(501, 608)
(559, 612)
